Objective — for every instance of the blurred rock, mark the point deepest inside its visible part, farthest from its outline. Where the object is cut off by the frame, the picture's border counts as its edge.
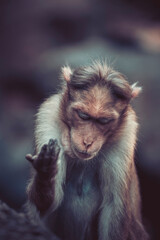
(16, 226)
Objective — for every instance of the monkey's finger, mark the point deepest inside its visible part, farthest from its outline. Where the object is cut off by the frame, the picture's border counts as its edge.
(53, 151)
(40, 158)
(51, 142)
(54, 148)
(43, 151)
(50, 148)
(52, 145)
(57, 150)
(29, 157)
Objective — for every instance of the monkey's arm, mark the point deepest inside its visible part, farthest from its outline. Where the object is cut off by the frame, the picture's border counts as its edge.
(41, 190)
(120, 217)
(137, 230)
(115, 213)
(44, 187)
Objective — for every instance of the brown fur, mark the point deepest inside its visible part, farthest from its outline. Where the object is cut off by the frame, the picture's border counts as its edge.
(93, 190)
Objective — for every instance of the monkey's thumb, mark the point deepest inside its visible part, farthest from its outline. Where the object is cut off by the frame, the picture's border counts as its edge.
(29, 157)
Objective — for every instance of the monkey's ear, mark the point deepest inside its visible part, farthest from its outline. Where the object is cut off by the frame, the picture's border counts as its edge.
(135, 90)
(66, 73)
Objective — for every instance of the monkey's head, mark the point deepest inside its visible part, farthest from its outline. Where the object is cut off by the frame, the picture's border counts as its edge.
(95, 107)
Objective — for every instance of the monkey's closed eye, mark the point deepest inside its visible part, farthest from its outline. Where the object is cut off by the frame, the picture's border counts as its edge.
(83, 115)
(104, 120)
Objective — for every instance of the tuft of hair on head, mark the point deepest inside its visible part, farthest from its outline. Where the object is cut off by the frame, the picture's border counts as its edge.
(100, 68)
(135, 90)
(66, 73)
(87, 76)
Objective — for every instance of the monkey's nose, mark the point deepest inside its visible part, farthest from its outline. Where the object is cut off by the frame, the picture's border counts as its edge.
(87, 144)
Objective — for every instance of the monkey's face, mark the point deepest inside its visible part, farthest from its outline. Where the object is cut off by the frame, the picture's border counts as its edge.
(86, 140)
(93, 116)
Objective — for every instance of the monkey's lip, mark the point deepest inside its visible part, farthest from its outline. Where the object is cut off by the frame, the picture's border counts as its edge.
(82, 155)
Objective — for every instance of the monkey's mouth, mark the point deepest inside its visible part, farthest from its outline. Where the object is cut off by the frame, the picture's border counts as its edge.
(82, 155)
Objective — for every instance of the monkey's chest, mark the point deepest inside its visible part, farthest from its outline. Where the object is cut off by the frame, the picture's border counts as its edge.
(77, 213)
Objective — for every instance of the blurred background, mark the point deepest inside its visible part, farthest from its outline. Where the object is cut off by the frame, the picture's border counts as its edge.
(37, 38)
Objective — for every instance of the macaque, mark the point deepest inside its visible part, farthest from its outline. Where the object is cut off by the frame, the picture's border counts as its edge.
(84, 175)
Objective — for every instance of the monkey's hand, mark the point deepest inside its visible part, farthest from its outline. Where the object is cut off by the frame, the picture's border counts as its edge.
(45, 162)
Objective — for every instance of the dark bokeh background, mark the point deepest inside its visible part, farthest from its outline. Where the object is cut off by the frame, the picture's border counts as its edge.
(37, 38)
